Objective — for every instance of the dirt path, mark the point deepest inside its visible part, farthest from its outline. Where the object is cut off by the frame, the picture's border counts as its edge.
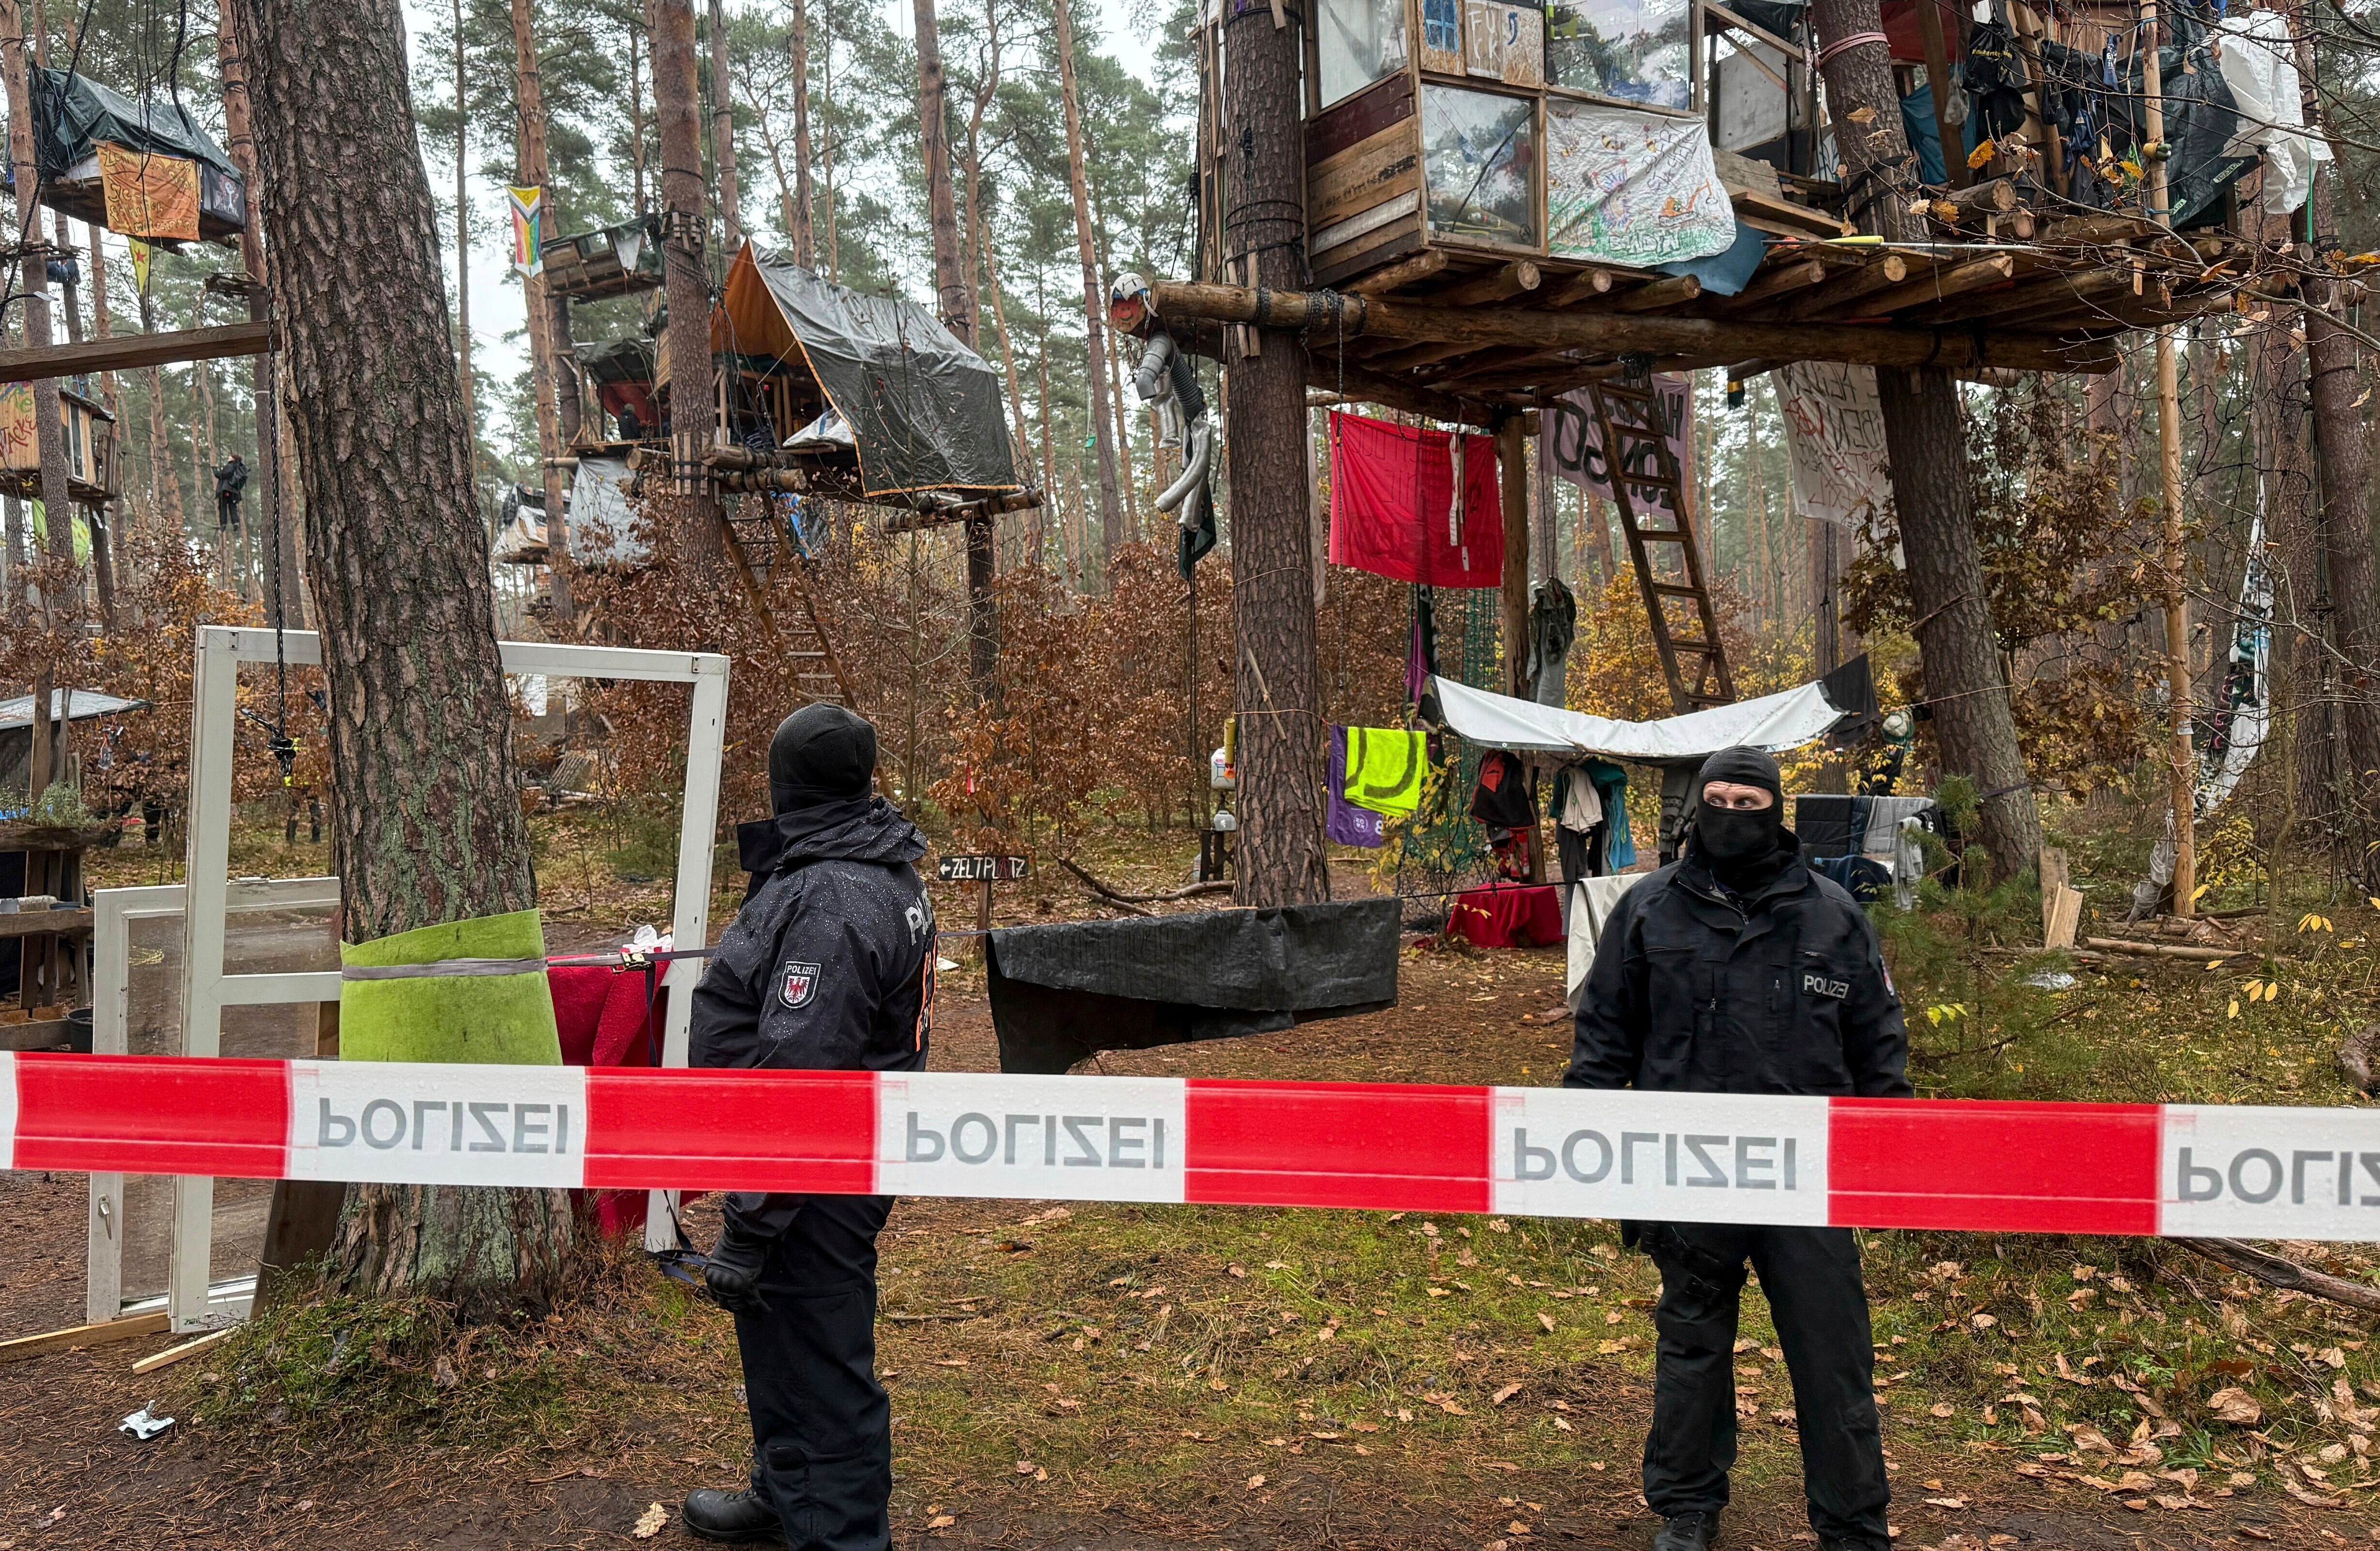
(1042, 1400)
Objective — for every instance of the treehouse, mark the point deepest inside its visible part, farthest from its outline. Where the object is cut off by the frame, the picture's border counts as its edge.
(144, 169)
(610, 261)
(1510, 199)
(91, 473)
(821, 391)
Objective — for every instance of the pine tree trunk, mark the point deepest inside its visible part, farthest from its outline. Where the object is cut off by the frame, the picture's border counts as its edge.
(1925, 428)
(463, 245)
(686, 283)
(49, 425)
(797, 224)
(275, 483)
(2346, 460)
(1279, 688)
(722, 134)
(1093, 301)
(426, 816)
(546, 370)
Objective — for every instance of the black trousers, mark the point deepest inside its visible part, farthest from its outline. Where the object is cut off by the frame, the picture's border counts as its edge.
(1812, 1279)
(821, 1427)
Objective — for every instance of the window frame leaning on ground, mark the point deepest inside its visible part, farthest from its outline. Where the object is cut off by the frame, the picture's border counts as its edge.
(207, 990)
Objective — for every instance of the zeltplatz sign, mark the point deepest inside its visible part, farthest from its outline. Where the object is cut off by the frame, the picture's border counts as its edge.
(2186, 1171)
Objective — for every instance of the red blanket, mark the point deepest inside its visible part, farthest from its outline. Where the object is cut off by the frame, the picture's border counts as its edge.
(607, 1017)
(1391, 488)
(1501, 916)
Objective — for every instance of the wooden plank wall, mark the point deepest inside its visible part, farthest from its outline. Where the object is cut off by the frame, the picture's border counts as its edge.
(1362, 179)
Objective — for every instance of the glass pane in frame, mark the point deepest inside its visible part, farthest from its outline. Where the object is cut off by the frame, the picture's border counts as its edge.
(1362, 41)
(1479, 159)
(1637, 51)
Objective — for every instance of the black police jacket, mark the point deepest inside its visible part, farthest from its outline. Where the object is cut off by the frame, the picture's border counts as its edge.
(830, 964)
(1781, 993)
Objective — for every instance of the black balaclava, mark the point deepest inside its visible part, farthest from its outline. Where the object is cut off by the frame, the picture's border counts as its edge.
(1737, 844)
(821, 754)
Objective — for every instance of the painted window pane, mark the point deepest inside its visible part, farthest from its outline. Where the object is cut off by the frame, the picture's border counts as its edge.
(1480, 155)
(1635, 50)
(1362, 41)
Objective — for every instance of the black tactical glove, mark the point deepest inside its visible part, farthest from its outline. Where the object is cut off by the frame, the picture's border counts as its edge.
(732, 1275)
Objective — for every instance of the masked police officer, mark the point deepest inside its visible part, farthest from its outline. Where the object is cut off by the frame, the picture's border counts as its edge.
(1739, 970)
(830, 966)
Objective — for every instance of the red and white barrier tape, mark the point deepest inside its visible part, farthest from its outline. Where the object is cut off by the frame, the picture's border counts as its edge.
(2176, 1170)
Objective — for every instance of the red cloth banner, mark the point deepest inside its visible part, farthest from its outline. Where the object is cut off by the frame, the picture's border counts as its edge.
(1391, 487)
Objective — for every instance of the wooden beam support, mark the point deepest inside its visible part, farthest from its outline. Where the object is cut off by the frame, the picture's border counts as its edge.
(1405, 272)
(1512, 467)
(1890, 270)
(1774, 283)
(1497, 284)
(1655, 294)
(131, 352)
(1584, 286)
(1363, 385)
(1939, 286)
(1604, 334)
(1937, 77)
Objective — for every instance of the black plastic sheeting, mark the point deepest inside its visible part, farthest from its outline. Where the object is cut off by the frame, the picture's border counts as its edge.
(72, 113)
(924, 409)
(1063, 993)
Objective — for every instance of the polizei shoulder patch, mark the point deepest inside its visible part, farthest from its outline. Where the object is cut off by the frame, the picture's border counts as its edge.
(1821, 985)
(800, 984)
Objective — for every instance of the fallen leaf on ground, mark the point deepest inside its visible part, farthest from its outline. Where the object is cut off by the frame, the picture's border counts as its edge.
(1255, 1482)
(941, 1521)
(649, 1522)
(1545, 1319)
(2234, 1405)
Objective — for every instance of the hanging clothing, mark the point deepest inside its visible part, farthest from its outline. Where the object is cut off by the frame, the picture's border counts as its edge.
(1345, 822)
(1421, 656)
(1393, 506)
(1575, 804)
(1382, 767)
(1501, 800)
(1553, 626)
(1611, 785)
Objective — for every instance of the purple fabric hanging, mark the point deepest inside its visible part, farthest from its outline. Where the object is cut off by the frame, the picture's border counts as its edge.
(1346, 823)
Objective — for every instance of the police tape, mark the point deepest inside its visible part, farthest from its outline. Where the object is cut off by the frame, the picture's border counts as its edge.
(2187, 1170)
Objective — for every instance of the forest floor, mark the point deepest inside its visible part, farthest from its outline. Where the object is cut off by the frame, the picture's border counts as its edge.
(1113, 1376)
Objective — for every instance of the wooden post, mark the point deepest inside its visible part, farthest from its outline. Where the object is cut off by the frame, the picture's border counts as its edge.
(2177, 554)
(1937, 79)
(1512, 469)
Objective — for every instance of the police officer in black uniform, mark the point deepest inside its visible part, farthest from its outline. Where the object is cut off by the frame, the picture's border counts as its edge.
(1739, 970)
(830, 966)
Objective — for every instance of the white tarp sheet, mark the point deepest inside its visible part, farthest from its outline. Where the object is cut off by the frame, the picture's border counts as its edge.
(2259, 62)
(1834, 437)
(1773, 723)
(1592, 901)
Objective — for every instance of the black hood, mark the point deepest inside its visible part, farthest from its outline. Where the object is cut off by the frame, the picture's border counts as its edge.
(1781, 871)
(853, 829)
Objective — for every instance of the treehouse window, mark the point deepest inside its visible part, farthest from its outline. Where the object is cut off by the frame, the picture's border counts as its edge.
(1636, 51)
(1362, 41)
(1479, 157)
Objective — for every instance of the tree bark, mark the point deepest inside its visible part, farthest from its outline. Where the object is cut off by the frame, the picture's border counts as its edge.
(1094, 302)
(1924, 426)
(722, 134)
(285, 595)
(426, 816)
(1279, 688)
(463, 245)
(546, 367)
(2346, 460)
(798, 227)
(49, 424)
(685, 282)
(955, 298)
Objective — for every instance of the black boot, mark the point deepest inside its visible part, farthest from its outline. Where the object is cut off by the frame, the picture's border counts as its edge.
(1687, 1532)
(732, 1516)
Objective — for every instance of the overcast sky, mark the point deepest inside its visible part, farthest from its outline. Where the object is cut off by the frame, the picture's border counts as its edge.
(496, 309)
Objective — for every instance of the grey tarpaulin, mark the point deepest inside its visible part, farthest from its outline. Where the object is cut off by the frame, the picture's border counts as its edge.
(1061, 993)
(924, 409)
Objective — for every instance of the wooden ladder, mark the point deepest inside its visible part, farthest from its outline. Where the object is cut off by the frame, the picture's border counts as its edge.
(1636, 457)
(755, 542)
